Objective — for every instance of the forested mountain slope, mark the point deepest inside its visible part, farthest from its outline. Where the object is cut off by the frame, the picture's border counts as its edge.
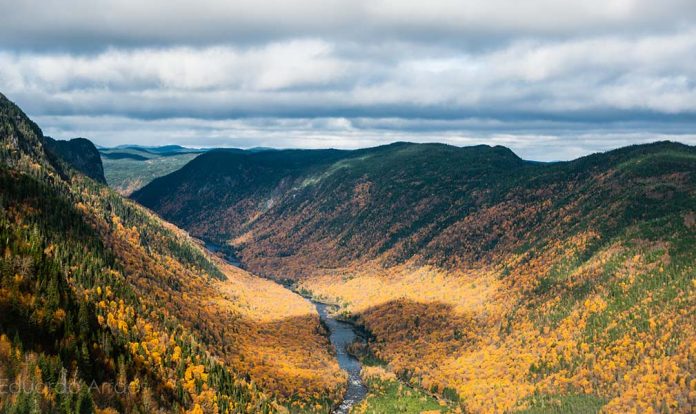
(104, 307)
(437, 204)
(503, 284)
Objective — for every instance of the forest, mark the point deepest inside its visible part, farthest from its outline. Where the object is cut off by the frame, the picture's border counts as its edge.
(491, 282)
(481, 283)
(106, 308)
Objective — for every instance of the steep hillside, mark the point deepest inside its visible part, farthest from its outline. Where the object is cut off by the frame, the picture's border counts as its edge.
(327, 205)
(80, 153)
(237, 181)
(104, 307)
(501, 284)
(437, 204)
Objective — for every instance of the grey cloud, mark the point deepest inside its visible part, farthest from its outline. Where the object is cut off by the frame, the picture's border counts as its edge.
(610, 78)
(532, 140)
(128, 23)
(578, 76)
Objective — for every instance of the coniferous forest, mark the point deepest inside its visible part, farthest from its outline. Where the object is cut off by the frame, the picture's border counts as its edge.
(476, 281)
(105, 308)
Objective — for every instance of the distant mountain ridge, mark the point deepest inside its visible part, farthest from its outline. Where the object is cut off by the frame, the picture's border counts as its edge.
(395, 202)
(130, 167)
(161, 149)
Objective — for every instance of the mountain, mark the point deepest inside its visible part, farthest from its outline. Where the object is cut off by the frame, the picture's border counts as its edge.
(106, 308)
(129, 167)
(491, 283)
(163, 149)
(80, 153)
(499, 283)
(438, 204)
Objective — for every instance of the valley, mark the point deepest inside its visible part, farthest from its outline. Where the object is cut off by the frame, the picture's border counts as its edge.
(494, 283)
(348, 207)
(479, 282)
(94, 289)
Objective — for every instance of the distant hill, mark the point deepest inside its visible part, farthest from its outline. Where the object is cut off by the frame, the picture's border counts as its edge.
(163, 149)
(123, 155)
(129, 167)
(80, 153)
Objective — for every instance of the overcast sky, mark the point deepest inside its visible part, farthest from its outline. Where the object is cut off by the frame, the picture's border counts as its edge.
(552, 79)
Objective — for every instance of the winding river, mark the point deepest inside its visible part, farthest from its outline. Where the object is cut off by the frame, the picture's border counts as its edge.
(341, 335)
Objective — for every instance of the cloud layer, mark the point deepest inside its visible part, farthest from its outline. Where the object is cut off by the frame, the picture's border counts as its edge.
(574, 76)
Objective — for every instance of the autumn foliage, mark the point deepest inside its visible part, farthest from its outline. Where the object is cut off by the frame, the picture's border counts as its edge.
(482, 281)
(101, 297)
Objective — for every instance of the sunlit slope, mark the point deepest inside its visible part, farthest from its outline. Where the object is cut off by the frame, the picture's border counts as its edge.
(96, 290)
(600, 317)
(501, 283)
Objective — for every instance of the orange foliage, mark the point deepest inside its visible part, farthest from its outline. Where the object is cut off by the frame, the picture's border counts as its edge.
(499, 339)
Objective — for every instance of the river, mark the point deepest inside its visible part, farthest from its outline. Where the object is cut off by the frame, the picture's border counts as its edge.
(341, 335)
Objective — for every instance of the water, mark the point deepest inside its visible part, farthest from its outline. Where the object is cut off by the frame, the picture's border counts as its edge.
(225, 253)
(341, 335)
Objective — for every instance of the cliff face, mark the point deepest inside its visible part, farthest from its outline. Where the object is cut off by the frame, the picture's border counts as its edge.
(79, 153)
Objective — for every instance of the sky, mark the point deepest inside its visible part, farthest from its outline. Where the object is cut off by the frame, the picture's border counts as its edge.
(551, 79)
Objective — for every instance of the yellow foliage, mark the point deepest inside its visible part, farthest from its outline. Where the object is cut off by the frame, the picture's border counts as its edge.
(5, 346)
(462, 330)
